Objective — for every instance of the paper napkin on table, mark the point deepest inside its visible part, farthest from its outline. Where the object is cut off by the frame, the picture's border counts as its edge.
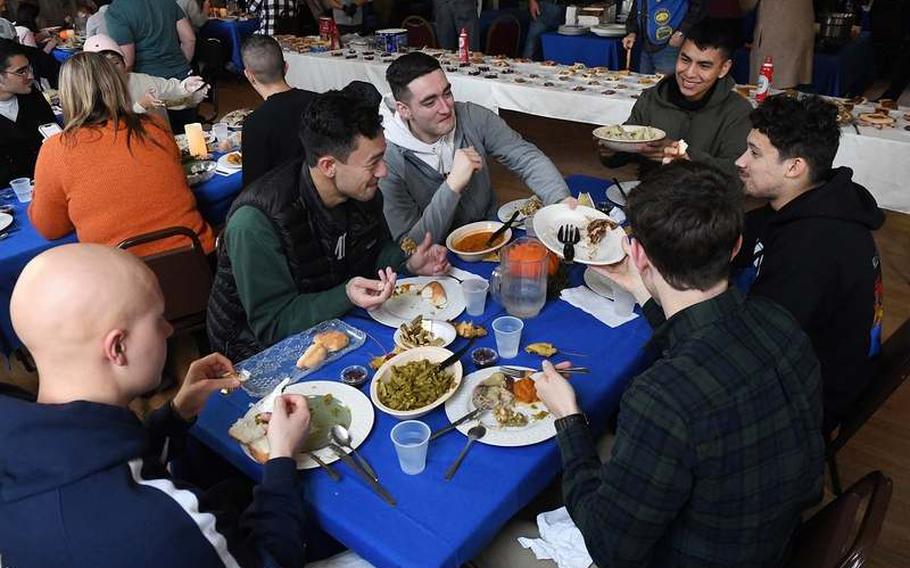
(601, 308)
(560, 541)
(464, 274)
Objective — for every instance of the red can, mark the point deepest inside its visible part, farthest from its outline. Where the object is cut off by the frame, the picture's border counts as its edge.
(464, 52)
(765, 76)
(327, 28)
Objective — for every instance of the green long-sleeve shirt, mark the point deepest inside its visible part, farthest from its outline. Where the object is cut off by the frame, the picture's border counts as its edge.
(273, 305)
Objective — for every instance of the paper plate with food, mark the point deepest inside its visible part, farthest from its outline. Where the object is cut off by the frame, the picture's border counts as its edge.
(515, 415)
(425, 296)
(235, 118)
(628, 137)
(600, 238)
(330, 403)
(525, 207)
(231, 161)
(420, 332)
(299, 355)
(412, 384)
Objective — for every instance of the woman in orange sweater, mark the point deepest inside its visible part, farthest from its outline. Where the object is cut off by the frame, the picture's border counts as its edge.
(111, 174)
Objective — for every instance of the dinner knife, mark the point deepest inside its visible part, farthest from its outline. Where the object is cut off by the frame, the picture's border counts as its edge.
(349, 461)
(469, 416)
(457, 355)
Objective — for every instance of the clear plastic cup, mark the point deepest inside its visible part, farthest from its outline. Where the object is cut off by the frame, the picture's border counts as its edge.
(411, 439)
(475, 295)
(22, 187)
(508, 335)
(623, 302)
(220, 131)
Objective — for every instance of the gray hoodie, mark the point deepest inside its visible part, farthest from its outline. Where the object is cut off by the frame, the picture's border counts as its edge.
(416, 196)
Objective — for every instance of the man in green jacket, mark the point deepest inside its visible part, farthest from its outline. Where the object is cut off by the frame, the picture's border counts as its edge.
(697, 104)
(305, 242)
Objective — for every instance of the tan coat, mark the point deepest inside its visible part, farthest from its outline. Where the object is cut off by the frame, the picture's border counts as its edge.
(785, 30)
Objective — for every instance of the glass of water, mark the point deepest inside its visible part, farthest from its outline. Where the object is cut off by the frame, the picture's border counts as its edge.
(508, 335)
(411, 439)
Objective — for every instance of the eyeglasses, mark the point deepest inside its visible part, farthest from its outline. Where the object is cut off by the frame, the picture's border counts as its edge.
(25, 71)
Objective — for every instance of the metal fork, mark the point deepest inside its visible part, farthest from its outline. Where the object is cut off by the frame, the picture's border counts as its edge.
(519, 373)
(568, 235)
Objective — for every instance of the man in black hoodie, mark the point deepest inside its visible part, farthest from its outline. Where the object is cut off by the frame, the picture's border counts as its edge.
(811, 246)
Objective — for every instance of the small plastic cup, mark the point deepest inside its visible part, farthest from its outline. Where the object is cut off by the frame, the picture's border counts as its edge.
(411, 439)
(22, 187)
(508, 335)
(475, 295)
(623, 302)
(220, 130)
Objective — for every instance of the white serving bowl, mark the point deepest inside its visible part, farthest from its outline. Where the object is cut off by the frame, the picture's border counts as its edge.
(631, 146)
(434, 354)
(471, 228)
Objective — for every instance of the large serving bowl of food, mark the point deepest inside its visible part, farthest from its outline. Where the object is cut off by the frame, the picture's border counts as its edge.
(411, 384)
(628, 137)
(469, 241)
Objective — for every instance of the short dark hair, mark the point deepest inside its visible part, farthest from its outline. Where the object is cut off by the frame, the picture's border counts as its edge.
(8, 50)
(687, 217)
(407, 68)
(801, 127)
(27, 15)
(262, 55)
(332, 123)
(717, 34)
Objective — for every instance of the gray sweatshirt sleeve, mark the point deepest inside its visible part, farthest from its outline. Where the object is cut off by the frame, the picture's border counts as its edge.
(525, 159)
(403, 213)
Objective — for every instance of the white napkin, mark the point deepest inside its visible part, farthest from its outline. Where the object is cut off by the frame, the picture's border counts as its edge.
(571, 15)
(560, 541)
(268, 401)
(464, 274)
(601, 308)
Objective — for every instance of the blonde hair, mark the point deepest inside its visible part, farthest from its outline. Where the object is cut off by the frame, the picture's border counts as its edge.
(93, 92)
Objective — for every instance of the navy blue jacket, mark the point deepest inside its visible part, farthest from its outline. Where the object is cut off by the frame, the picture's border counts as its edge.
(84, 485)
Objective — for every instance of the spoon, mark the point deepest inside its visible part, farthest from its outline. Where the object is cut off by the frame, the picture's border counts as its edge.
(475, 433)
(343, 438)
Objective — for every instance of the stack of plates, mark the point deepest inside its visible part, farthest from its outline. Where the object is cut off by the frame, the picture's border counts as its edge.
(573, 30)
(609, 30)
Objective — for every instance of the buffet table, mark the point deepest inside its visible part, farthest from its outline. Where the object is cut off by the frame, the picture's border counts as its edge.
(878, 157)
(438, 523)
(589, 49)
(213, 198)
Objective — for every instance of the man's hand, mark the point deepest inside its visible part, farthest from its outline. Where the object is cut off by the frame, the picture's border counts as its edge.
(672, 151)
(556, 392)
(370, 294)
(150, 100)
(534, 9)
(204, 376)
(466, 162)
(628, 42)
(288, 425)
(429, 259)
(655, 150)
(570, 201)
(625, 275)
(676, 39)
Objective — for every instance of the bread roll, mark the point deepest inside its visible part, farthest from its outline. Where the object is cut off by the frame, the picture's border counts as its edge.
(313, 357)
(260, 449)
(435, 294)
(332, 340)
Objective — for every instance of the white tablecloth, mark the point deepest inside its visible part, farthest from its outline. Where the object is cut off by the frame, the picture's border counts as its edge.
(880, 158)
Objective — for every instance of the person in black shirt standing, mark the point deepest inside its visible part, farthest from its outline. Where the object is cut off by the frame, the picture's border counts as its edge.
(22, 111)
(271, 133)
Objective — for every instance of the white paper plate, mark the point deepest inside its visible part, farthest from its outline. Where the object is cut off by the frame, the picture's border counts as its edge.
(225, 165)
(362, 416)
(535, 432)
(405, 307)
(548, 220)
(5, 220)
(614, 195)
(506, 210)
(441, 329)
(599, 284)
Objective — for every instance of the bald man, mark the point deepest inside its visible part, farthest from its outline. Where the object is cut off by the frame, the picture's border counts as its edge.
(82, 480)
(271, 135)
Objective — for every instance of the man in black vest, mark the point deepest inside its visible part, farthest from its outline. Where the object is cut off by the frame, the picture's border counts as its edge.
(22, 110)
(302, 241)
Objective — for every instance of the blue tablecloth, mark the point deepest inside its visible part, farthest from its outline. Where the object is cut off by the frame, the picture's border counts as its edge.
(438, 523)
(592, 50)
(231, 33)
(847, 72)
(213, 198)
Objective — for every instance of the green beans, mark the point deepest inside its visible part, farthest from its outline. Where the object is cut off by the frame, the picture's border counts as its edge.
(414, 385)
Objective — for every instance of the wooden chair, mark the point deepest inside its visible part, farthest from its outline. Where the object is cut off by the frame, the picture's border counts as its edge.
(420, 32)
(892, 367)
(843, 533)
(185, 277)
(504, 36)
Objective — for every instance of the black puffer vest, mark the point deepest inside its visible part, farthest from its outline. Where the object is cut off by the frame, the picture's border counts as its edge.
(313, 238)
